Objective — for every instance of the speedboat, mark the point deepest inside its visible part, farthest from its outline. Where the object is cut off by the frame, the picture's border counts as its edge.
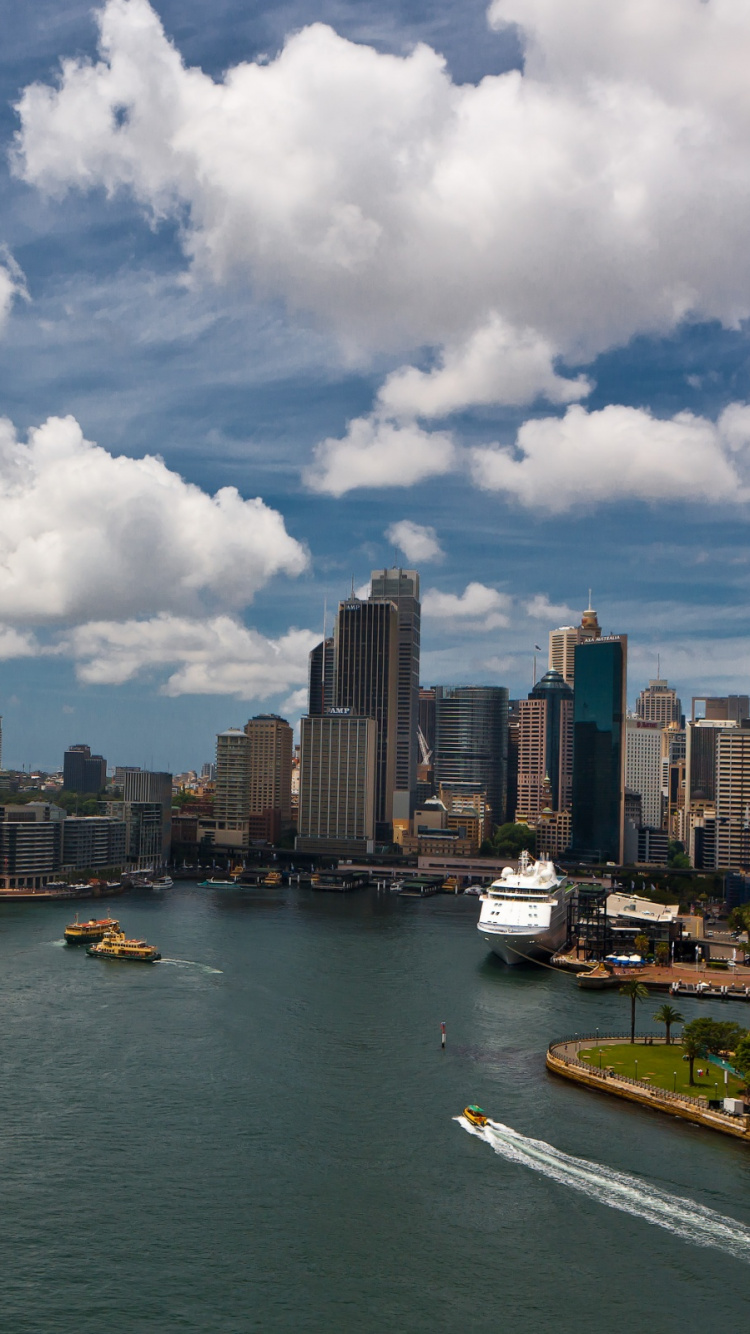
(476, 1116)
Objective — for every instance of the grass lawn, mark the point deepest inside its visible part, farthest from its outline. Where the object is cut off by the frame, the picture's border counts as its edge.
(657, 1066)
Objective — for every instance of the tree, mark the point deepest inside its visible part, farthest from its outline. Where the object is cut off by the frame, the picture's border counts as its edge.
(637, 992)
(641, 944)
(662, 952)
(508, 840)
(692, 1047)
(714, 1035)
(668, 1015)
(741, 1058)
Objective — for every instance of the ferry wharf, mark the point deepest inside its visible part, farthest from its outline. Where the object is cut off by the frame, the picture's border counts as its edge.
(563, 1059)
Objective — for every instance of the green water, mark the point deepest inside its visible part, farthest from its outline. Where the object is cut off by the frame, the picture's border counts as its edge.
(262, 1137)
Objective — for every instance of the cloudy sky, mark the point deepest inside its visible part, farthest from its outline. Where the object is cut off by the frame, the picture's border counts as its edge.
(286, 288)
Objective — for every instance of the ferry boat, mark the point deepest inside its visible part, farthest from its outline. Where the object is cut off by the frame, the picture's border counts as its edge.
(82, 933)
(215, 883)
(525, 913)
(115, 945)
(164, 882)
(273, 878)
(476, 1115)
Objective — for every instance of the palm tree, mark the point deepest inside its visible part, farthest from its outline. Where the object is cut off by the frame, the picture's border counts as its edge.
(691, 1047)
(637, 992)
(668, 1015)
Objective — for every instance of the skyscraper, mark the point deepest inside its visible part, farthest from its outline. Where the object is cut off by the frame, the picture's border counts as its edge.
(733, 798)
(545, 747)
(337, 783)
(401, 587)
(82, 771)
(643, 745)
(320, 679)
(730, 708)
(563, 641)
(366, 682)
(141, 786)
(658, 703)
(471, 741)
(599, 749)
(269, 776)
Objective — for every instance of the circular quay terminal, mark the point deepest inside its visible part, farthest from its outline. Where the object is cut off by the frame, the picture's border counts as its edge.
(375, 667)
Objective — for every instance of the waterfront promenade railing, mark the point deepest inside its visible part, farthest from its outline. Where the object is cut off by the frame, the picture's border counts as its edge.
(578, 1039)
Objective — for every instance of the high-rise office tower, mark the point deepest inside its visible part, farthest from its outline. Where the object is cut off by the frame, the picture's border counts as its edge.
(514, 734)
(269, 776)
(82, 771)
(401, 587)
(30, 844)
(471, 741)
(643, 775)
(545, 747)
(733, 798)
(599, 748)
(320, 679)
(232, 794)
(366, 682)
(563, 641)
(658, 703)
(337, 783)
(140, 786)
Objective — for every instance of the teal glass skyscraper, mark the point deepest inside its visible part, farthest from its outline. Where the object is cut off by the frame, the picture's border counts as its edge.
(599, 749)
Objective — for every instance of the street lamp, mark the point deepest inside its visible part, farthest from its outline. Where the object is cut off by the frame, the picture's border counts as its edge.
(636, 1069)
(674, 1082)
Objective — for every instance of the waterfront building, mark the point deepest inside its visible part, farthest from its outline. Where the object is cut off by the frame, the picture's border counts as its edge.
(30, 845)
(511, 785)
(563, 642)
(83, 772)
(338, 784)
(401, 588)
(232, 795)
(320, 679)
(145, 833)
(643, 746)
(545, 748)
(733, 798)
(729, 708)
(471, 742)
(366, 651)
(269, 761)
(658, 703)
(91, 842)
(599, 749)
(142, 786)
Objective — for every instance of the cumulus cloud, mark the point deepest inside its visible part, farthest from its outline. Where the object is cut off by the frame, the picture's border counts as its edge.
(17, 644)
(379, 453)
(541, 609)
(86, 534)
(497, 364)
(477, 608)
(538, 213)
(218, 656)
(417, 541)
(621, 453)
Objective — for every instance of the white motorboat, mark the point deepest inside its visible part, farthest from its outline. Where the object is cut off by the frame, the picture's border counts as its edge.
(525, 913)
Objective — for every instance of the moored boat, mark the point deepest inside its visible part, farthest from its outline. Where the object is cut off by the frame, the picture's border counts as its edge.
(115, 945)
(213, 883)
(476, 1115)
(525, 913)
(273, 878)
(82, 933)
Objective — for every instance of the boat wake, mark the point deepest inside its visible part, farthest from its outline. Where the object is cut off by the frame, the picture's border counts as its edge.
(687, 1219)
(194, 963)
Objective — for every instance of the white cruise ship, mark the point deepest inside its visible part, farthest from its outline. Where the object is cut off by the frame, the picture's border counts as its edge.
(525, 913)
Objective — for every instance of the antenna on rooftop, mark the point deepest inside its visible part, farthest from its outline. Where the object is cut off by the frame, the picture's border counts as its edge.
(589, 608)
(658, 667)
(352, 587)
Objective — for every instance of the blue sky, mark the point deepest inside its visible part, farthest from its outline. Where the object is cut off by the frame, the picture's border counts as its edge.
(504, 300)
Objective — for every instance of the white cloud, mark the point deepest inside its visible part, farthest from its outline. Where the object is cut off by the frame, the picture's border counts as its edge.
(12, 284)
(621, 453)
(85, 534)
(17, 644)
(417, 541)
(497, 364)
(477, 608)
(219, 656)
(541, 609)
(379, 454)
(537, 214)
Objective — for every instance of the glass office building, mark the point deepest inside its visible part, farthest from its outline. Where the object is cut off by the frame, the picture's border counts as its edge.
(599, 749)
(471, 741)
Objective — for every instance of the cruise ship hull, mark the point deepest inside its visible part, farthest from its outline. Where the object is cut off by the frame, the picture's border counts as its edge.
(519, 948)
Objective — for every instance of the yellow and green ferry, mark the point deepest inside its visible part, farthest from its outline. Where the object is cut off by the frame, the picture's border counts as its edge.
(115, 945)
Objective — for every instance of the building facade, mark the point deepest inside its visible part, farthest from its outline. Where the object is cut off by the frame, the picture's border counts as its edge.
(599, 749)
(320, 679)
(84, 772)
(563, 642)
(93, 842)
(401, 587)
(643, 775)
(30, 845)
(366, 684)
(545, 748)
(144, 786)
(471, 742)
(733, 798)
(338, 783)
(658, 703)
(269, 785)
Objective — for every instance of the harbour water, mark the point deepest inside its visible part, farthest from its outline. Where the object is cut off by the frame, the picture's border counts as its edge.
(258, 1134)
